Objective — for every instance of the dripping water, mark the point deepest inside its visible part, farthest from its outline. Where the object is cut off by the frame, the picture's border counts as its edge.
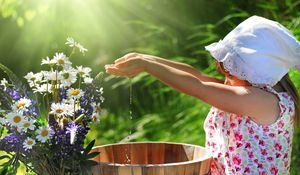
(128, 138)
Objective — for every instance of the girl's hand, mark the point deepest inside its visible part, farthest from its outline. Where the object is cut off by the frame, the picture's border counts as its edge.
(129, 65)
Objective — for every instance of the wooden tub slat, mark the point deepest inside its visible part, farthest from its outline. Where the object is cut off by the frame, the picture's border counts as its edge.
(121, 153)
(139, 153)
(156, 153)
(152, 158)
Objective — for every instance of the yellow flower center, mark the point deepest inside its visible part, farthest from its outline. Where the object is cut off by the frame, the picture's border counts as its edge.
(26, 125)
(33, 78)
(61, 61)
(98, 109)
(66, 75)
(59, 111)
(75, 92)
(44, 133)
(94, 118)
(21, 104)
(17, 119)
(29, 142)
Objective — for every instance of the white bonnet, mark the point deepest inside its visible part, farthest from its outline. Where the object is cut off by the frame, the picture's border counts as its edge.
(258, 50)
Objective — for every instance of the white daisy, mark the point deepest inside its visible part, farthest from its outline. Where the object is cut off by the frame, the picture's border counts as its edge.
(43, 88)
(83, 71)
(15, 119)
(21, 104)
(39, 77)
(47, 61)
(96, 117)
(28, 124)
(81, 48)
(75, 93)
(62, 60)
(61, 109)
(71, 42)
(51, 75)
(101, 90)
(4, 83)
(69, 77)
(34, 79)
(96, 108)
(87, 80)
(3, 121)
(44, 133)
(28, 143)
(30, 76)
(72, 105)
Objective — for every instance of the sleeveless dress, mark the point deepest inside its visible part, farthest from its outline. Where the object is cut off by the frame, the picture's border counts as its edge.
(238, 145)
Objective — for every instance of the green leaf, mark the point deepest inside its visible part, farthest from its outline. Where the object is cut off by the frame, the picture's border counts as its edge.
(79, 119)
(4, 157)
(92, 155)
(98, 79)
(13, 78)
(4, 170)
(5, 164)
(267, 6)
(89, 163)
(227, 18)
(89, 147)
(1, 130)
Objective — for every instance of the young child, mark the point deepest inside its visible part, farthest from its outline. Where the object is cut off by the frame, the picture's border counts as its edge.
(249, 128)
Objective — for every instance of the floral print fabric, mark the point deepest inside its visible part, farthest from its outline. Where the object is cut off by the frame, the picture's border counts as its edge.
(240, 146)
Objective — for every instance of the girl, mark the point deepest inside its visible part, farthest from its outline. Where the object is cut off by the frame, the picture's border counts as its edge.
(249, 128)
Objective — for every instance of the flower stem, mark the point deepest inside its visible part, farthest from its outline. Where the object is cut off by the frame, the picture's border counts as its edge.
(47, 98)
(72, 52)
(79, 81)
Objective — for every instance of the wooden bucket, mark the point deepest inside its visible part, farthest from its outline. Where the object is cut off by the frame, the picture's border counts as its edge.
(151, 158)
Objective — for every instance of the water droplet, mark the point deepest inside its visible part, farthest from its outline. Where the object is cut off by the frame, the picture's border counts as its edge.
(128, 138)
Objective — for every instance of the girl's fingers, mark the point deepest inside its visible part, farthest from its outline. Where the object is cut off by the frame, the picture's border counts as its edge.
(121, 64)
(128, 62)
(109, 66)
(114, 71)
(120, 60)
(125, 57)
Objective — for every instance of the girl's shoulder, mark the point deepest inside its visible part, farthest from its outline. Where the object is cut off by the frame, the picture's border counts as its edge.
(286, 102)
(286, 106)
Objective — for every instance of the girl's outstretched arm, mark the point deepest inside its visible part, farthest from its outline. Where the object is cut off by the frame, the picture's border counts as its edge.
(181, 66)
(245, 100)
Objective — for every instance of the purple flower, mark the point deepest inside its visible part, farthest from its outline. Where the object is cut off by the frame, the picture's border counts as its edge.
(62, 137)
(13, 93)
(63, 94)
(72, 129)
(12, 143)
(92, 95)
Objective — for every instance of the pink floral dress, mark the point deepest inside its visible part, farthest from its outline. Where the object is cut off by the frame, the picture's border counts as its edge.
(241, 146)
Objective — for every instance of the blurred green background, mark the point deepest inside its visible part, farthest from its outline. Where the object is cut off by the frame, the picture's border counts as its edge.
(31, 30)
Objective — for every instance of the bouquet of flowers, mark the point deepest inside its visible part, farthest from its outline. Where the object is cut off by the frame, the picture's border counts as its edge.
(44, 123)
